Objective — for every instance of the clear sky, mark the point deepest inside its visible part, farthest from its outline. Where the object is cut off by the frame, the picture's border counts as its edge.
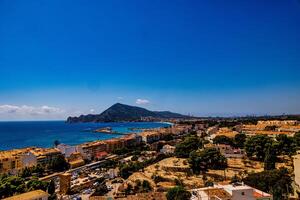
(221, 57)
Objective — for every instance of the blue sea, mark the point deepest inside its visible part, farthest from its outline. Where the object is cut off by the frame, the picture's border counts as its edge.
(44, 133)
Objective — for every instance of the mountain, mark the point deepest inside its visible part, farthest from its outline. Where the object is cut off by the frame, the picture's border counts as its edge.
(121, 112)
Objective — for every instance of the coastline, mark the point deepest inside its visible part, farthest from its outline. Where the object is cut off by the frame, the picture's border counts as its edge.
(42, 134)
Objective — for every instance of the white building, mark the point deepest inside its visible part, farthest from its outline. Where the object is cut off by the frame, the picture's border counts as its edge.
(229, 192)
(167, 149)
(67, 150)
(28, 159)
(112, 173)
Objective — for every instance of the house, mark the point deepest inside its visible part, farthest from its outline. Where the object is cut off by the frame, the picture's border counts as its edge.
(230, 192)
(229, 151)
(167, 149)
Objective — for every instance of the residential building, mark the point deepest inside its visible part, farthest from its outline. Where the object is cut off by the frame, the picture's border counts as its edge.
(167, 149)
(229, 192)
(75, 160)
(229, 151)
(33, 195)
(66, 150)
(64, 183)
(278, 122)
(150, 136)
(113, 144)
(132, 140)
(45, 155)
(90, 150)
(13, 161)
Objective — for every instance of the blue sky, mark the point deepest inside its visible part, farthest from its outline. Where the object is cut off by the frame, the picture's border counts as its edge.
(60, 58)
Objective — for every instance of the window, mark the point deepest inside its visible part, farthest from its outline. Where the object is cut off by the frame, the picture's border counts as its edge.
(243, 193)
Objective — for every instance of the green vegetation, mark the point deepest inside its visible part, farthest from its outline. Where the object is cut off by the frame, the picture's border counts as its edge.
(286, 145)
(178, 193)
(222, 139)
(157, 178)
(189, 144)
(277, 182)
(257, 146)
(101, 189)
(56, 143)
(270, 128)
(12, 185)
(129, 168)
(141, 187)
(206, 159)
(58, 164)
(238, 141)
(36, 170)
(270, 158)
(297, 139)
(51, 190)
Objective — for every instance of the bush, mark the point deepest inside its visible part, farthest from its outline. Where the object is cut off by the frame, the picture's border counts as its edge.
(178, 193)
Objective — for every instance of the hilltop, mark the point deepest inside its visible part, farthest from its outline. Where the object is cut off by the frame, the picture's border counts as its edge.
(121, 112)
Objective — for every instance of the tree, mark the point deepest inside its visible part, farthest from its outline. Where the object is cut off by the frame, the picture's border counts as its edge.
(189, 144)
(26, 172)
(239, 140)
(59, 164)
(10, 185)
(134, 158)
(56, 143)
(128, 189)
(51, 187)
(39, 169)
(35, 184)
(257, 146)
(208, 184)
(270, 159)
(209, 158)
(101, 189)
(142, 186)
(297, 139)
(178, 193)
(222, 139)
(286, 145)
(51, 190)
(277, 182)
(235, 179)
(127, 169)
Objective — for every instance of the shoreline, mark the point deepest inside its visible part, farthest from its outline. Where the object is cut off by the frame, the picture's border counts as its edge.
(69, 135)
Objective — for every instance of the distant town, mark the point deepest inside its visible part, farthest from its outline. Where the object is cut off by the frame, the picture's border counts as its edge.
(199, 159)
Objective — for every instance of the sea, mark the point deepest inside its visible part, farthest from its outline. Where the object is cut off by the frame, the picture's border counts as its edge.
(44, 133)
